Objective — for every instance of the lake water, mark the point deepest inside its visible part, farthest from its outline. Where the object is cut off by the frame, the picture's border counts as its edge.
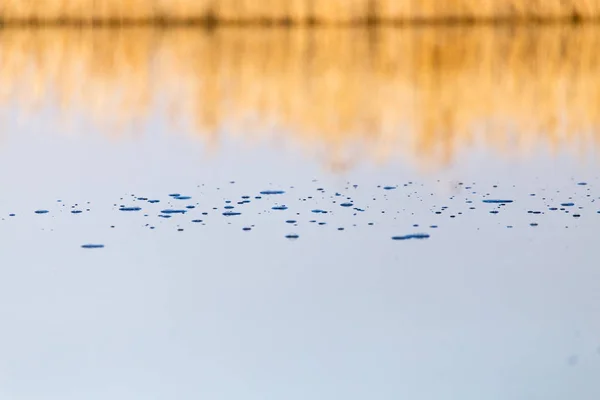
(481, 141)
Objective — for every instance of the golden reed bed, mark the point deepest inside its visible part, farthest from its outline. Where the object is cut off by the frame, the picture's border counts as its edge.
(418, 94)
(291, 11)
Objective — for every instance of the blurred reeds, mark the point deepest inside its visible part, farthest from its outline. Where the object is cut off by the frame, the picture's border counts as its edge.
(423, 94)
(291, 11)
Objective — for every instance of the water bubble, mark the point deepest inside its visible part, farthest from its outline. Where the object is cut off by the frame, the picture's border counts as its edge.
(271, 192)
(170, 211)
(130, 209)
(92, 246)
(493, 201)
(418, 236)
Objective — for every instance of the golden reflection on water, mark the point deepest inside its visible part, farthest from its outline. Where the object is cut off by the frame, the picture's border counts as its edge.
(422, 94)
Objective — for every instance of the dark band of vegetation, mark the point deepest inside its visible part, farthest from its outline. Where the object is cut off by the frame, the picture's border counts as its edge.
(291, 12)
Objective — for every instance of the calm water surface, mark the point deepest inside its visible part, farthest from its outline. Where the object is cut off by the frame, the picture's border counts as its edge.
(135, 143)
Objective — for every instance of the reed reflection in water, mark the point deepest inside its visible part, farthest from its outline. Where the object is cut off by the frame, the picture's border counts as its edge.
(421, 94)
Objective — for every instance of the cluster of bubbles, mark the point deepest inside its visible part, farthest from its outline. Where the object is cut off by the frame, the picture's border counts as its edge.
(177, 205)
